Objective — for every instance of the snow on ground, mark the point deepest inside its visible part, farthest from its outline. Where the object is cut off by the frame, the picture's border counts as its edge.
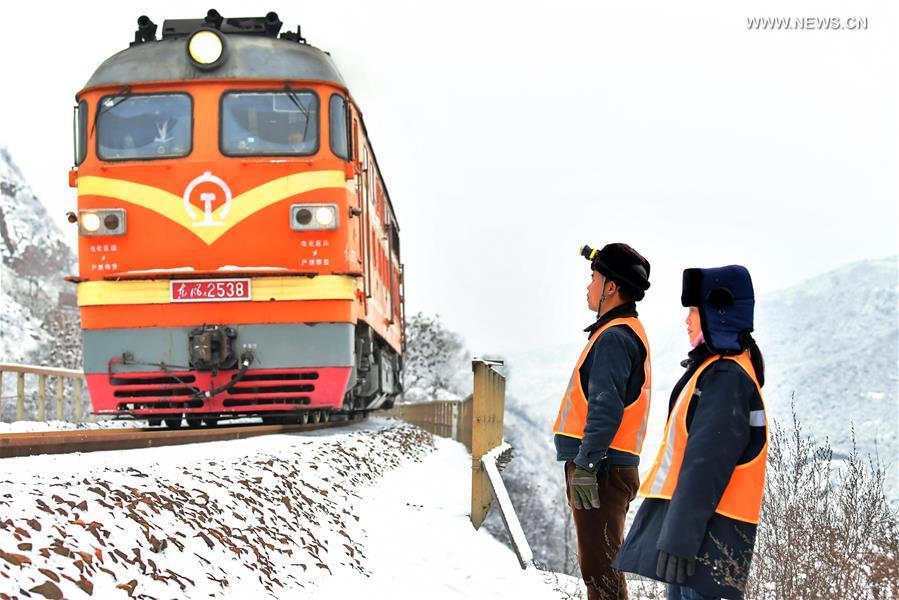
(379, 507)
(426, 547)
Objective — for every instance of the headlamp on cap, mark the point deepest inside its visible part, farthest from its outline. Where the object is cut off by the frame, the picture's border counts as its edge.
(588, 252)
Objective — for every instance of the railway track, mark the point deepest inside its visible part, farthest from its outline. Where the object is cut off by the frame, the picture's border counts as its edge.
(93, 440)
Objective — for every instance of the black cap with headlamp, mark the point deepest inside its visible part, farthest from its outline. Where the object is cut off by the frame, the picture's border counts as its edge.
(622, 264)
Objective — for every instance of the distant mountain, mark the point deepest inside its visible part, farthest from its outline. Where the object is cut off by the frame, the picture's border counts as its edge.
(832, 344)
(38, 320)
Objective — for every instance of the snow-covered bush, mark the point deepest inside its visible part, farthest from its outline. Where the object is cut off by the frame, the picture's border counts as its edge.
(436, 364)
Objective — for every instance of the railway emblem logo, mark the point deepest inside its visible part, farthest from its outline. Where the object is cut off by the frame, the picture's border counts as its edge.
(207, 183)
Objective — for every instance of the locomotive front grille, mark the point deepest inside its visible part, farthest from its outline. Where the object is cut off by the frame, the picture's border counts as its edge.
(178, 392)
(160, 392)
(257, 390)
(234, 402)
(279, 376)
(121, 379)
(159, 405)
(267, 389)
(161, 386)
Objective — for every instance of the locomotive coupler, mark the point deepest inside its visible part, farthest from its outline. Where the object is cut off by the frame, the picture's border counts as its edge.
(211, 348)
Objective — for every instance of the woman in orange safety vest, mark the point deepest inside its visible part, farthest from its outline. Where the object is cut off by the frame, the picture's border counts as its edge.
(696, 527)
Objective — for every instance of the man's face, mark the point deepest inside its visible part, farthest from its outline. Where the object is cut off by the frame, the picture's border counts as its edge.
(594, 291)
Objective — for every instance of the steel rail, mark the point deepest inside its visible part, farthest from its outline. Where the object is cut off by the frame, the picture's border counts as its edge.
(94, 440)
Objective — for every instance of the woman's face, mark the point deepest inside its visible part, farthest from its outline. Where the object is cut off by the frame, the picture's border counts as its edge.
(694, 329)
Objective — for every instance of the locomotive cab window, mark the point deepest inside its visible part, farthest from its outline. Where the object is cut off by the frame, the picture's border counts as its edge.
(80, 133)
(143, 126)
(337, 118)
(269, 123)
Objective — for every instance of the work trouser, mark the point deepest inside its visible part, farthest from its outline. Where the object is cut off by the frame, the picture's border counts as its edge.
(600, 531)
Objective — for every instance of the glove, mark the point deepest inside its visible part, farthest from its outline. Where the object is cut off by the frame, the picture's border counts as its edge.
(584, 489)
(674, 569)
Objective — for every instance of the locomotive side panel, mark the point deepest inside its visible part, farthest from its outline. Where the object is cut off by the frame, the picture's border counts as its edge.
(379, 244)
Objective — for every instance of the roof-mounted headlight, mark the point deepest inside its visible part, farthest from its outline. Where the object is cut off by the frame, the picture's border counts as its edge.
(206, 48)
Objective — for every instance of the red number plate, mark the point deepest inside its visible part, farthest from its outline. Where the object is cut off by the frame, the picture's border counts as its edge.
(209, 290)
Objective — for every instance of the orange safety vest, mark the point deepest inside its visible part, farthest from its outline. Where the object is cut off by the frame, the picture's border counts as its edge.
(573, 412)
(742, 498)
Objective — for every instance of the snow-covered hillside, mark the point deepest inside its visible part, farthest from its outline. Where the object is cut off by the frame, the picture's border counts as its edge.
(38, 306)
(378, 509)
(832, 344)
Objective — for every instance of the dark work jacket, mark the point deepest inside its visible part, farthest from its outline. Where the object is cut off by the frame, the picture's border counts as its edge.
(687, 525)
(612, 377)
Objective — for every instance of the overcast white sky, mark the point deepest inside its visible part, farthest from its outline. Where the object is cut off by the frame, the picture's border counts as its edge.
(510, 133)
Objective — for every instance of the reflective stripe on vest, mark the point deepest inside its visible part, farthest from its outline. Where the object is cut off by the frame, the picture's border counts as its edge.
(742, 498)
(572, 417)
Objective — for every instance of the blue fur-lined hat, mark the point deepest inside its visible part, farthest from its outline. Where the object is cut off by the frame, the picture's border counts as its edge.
(726, 303)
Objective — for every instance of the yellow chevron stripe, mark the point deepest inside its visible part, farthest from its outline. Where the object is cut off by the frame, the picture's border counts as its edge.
(243, 205)
(165, 203)
(262, 289)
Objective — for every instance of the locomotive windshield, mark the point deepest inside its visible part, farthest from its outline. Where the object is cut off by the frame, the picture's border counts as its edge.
(144, 126)
(269, 123)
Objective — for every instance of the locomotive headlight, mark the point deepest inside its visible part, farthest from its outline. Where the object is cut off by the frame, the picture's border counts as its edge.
(101, 221)
(111, 221)
(206, 48)
(313, 217)
(90, 222)
(324, 216)
(304, 217)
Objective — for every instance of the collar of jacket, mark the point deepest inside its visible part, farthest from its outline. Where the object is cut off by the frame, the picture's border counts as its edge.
(696, 356)
(705, 350)
(628, 309)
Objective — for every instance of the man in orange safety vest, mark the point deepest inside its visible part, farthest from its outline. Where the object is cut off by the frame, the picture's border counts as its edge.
(601, 422)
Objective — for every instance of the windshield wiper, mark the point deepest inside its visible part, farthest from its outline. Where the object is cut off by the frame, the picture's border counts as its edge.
(293, 97)
(111, 103)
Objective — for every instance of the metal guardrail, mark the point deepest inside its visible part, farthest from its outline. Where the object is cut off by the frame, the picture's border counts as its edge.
(446, 418)
(74, 378)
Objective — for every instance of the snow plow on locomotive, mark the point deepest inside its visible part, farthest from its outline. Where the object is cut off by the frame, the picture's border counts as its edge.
(238, 252)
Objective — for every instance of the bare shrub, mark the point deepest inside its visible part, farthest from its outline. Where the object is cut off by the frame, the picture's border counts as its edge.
(827, 530)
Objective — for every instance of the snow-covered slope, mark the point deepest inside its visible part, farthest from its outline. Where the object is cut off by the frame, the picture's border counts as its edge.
(34, 261)
(376, 510)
